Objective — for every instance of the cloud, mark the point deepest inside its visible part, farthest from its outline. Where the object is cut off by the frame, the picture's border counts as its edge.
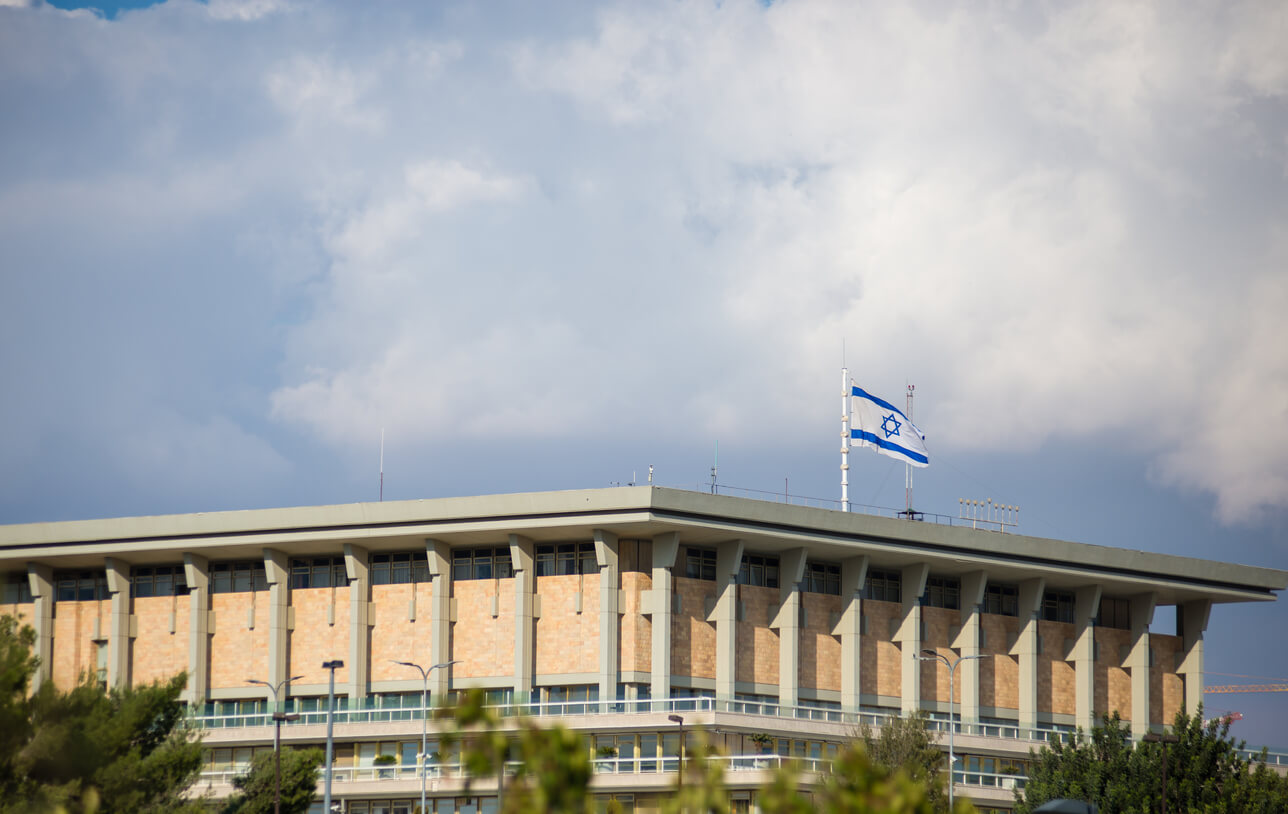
(1063, 224)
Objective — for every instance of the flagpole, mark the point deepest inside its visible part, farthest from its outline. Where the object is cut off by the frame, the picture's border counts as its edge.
(845, 440)
(907, 468)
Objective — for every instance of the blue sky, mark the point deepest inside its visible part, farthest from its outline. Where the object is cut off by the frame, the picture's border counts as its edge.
(544, 247)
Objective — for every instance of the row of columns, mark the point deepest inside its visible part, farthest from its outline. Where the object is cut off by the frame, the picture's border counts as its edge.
(658, 604)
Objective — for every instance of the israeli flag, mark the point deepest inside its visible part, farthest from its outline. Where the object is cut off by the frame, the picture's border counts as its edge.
(875, 422)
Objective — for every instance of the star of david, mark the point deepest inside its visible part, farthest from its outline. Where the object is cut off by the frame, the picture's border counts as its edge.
(886, 428)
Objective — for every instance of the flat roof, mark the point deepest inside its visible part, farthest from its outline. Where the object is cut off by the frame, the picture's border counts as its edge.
(635, 512)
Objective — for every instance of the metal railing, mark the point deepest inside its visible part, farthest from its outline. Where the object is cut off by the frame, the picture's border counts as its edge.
(370, 714)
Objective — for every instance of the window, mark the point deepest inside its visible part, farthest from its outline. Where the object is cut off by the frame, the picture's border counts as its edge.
(399, 569)
(1057, 606)
(566, 558)
(700, 564)
(481, 563)
(1002, 600)
(158, 580)
(236, 577)
(823, 578)
(15, 588)
(942, 592)
(319, 572)
(758, 570)
(80, 586)
(885, 586)
(1115, 613)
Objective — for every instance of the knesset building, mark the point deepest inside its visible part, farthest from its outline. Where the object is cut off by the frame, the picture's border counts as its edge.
(775, 628)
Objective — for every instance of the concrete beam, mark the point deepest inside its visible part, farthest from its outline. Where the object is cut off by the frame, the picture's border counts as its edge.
(665, 550)
(277, 569)
(1026, 648)
(791, 571)
(357, 567)
(968, 641)
(439, 555)
(1142, 616)
(196, 571)
(1086, 607)
(40, 578)
(725, 615)
(607, 558)
(913, 582)
(118, 636)
(1191, 623)
(525, 628)
(854, 575)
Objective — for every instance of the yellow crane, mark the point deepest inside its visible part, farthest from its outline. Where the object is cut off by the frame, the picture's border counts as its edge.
(1216, 688)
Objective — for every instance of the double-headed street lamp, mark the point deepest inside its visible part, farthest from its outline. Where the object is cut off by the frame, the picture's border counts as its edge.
(1154, 737)
(332, 665)
(278, 718)
(935, 655)
(424, 720)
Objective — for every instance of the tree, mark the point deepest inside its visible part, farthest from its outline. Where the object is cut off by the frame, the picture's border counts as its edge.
(256, 788)
(1205, 772)
(907, 744)
(127, 750)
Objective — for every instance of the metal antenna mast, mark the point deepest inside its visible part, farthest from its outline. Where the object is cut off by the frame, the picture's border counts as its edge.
(907, 468)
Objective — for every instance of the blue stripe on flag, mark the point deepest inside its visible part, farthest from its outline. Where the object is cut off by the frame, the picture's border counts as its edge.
(859, 391)
(883, 443)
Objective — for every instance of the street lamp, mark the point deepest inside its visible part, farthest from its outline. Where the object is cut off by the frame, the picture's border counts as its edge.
(278, 718)
(935, 655)
(679, 719)
(1154, 737)
(332, 665)
(424, 720)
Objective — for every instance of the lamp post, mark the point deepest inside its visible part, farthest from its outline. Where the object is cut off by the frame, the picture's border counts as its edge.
(332, 665)
(679, 719)
(424, 720)
(278, 718)
(1154, 737)
(935, 655)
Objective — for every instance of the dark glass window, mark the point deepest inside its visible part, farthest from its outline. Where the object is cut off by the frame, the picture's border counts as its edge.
(942, 592)
(1115, 613)
(400, 568)
(15, 588)
(1002, 600)
(481, 563)
(758, 570)
(319, 572)
(1057, 606)
(80, 586)
(700, 563)
(823, 578)
(158, 580)
(566, 558)
(886, 586)
(236, 577)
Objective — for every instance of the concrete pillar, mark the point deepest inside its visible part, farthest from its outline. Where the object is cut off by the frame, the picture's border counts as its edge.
(791, 570)
(665, 549)
(118, 636)
(440, 615)
(525, 630)
(277, 568)
(196, 571)
(606, 557)
(1142, 615)
(913, 582)
(968, 643)
(357, 566)
(725, 616)
(854, 574)
(41, 580)
(1086, 607)
(1191, 622)
(1026, 649)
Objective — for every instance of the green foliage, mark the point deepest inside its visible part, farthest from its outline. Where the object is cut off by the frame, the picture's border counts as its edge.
(89, 751)
(1204, 772)
(256, 788)
(907, 744)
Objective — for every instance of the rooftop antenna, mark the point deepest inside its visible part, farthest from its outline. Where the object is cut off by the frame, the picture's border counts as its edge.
(382, 464)
(715, 467)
